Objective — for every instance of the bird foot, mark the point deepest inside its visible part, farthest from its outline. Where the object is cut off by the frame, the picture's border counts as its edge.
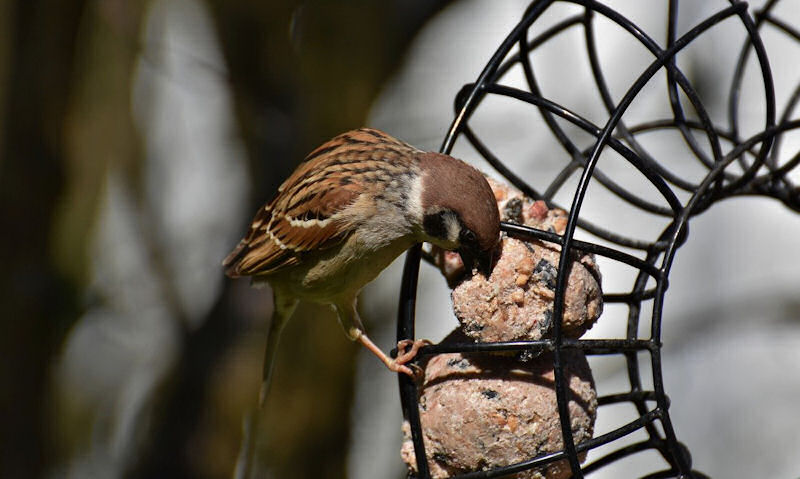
(413, 371)
(398, 364)
(407, 349)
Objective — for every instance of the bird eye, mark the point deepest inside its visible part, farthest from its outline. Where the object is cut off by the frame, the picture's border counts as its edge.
(467, 236)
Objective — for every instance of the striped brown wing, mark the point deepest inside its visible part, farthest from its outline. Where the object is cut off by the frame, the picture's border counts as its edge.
(278, 239)
(306, 214)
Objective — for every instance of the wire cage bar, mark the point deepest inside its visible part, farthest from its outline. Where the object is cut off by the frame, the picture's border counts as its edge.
(732, 164)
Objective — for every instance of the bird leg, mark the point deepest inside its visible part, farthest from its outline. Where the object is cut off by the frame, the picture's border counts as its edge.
(283, 307)
(350, 321)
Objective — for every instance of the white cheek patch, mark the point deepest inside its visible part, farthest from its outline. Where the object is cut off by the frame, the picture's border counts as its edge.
(415, 199)
(453, 228)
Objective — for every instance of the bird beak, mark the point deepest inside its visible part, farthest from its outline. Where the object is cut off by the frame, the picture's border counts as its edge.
(485, 262)
(471, 258)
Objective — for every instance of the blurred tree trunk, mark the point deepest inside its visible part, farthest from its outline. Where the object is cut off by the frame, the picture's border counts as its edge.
(38, 301)
(300, 72)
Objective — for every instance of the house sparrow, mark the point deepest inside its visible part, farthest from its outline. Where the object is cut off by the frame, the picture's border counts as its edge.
(354, 205)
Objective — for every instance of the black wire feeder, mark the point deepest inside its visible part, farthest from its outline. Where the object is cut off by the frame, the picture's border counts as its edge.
(731, 165)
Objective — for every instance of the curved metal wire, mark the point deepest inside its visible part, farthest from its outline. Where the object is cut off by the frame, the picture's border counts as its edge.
(715, 148)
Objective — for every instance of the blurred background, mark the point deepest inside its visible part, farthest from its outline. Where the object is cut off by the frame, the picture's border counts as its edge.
(137, 138)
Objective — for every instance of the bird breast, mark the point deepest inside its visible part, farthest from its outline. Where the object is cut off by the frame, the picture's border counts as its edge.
(338, 274)
(382, 229)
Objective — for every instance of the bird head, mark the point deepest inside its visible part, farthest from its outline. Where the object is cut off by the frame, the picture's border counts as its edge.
(459, 210)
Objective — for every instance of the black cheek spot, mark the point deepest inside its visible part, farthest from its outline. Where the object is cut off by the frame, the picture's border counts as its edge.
(434, 226)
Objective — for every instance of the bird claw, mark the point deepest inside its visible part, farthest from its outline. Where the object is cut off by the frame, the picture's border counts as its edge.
(411, 370)
(419, 373)
(406, 351)
(404, 356)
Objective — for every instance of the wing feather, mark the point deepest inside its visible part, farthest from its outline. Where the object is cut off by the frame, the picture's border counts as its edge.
(306, 213)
